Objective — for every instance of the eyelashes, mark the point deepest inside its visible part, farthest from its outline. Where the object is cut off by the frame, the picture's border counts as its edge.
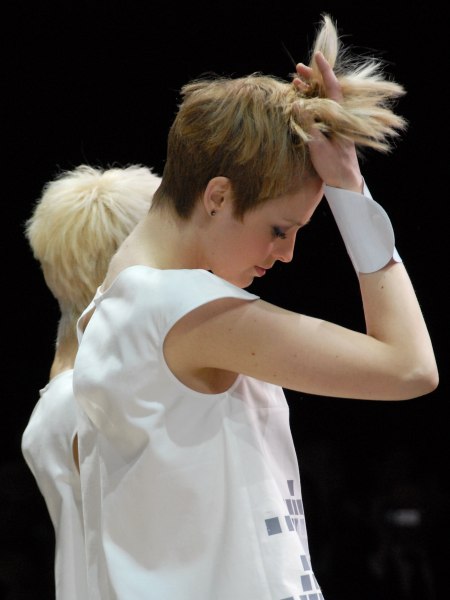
(279, 233)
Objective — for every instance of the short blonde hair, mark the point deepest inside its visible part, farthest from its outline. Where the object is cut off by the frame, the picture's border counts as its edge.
(81, 218)
(255, 129)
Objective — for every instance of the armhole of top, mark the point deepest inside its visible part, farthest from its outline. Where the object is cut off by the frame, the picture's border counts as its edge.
(75, 456)
(84, 319)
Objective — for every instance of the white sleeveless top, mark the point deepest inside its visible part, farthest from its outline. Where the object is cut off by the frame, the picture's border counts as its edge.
(47, 449)
(185, 495)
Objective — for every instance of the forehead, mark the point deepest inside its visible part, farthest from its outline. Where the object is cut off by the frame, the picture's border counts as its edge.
(296, 207)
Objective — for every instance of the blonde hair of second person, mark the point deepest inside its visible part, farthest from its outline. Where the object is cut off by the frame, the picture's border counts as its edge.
(76, 226)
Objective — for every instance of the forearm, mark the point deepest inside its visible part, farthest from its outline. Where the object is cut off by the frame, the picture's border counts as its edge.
(392, 312)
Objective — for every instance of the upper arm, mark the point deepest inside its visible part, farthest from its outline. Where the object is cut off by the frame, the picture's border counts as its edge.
(289, 349)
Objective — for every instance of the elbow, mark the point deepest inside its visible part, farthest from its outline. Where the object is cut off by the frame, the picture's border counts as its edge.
(427, 384)
(420, 382)
(431, 380)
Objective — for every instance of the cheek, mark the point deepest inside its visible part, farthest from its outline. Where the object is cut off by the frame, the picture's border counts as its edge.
(253, 248)
(245, 243)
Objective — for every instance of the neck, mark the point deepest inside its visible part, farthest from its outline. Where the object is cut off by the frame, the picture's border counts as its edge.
(64, 358)
(165, 241)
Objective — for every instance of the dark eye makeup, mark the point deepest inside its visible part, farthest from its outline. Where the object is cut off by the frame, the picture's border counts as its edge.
(279, 233)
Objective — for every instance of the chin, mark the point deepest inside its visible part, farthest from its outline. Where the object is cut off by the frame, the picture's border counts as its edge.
(244, 282)
(241, 282)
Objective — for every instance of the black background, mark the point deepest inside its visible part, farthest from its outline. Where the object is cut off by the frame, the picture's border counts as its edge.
(97, 82)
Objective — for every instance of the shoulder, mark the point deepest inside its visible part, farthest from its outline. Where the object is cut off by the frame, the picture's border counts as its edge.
(182, 287)
(155, 300)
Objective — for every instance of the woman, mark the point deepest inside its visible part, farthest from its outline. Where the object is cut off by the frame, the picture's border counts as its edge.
(190, 482)
(76, 226)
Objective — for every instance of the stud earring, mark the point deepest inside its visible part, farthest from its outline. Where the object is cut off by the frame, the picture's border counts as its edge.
(213, 213)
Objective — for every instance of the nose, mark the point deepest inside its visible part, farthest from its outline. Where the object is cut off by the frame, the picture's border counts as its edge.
(285, 249)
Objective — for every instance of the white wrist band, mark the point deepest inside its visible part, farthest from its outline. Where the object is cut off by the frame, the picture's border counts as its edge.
(365, 228)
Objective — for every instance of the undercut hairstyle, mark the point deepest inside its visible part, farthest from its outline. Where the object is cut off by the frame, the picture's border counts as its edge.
(255, 129)
(78, 223)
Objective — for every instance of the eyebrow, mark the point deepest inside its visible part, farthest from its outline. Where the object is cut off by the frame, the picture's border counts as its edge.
(297, 223)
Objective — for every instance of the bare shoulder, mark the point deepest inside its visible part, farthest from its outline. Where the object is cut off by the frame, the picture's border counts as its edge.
(197, 348)
(251, 337)
(230, 317)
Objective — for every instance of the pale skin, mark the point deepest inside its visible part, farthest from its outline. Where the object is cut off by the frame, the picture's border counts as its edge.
(209, 347)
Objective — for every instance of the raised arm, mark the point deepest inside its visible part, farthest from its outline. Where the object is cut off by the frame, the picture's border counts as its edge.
(392, 360)
(336, 108)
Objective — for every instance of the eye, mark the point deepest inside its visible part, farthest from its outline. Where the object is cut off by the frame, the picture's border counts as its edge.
(278, 233)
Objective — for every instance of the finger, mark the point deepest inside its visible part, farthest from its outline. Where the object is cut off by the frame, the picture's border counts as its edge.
(304, 71)
(300, 84)
(317, 138)
(330, 81)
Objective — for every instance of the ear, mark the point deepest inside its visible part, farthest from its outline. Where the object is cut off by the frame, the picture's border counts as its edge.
(217, 193)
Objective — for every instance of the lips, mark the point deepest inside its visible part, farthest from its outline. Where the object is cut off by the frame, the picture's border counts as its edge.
(260, 271)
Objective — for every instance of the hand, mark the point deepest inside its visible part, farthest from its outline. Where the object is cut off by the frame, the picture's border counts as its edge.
(334, 159)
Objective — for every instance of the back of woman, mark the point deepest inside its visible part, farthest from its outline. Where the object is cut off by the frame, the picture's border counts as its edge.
(77, 224)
